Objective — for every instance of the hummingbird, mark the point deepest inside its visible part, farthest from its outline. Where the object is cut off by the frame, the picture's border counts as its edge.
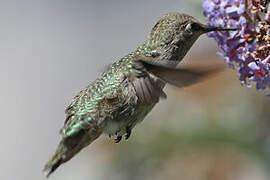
(129, 89)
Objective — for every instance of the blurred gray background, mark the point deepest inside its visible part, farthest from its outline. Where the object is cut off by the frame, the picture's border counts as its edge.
(51, 49)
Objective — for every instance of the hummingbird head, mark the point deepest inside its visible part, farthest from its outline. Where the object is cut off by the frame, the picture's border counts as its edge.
(174, 34)
(173, 25)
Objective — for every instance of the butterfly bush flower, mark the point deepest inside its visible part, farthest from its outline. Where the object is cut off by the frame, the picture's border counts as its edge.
(248, 49)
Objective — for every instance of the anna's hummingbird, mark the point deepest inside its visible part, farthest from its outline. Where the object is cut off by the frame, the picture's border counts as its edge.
(128, 90)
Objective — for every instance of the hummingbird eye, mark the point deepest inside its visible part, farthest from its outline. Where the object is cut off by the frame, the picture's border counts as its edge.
(195, 26)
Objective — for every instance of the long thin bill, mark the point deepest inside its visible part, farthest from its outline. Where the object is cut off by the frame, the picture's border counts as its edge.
(209, 29)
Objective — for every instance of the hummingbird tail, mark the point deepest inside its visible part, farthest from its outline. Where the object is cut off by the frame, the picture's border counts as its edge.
(69, 147)
(57, 159)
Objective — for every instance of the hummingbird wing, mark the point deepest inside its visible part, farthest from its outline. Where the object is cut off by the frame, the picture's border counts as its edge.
(147, 87)
(147, 90)
(179, 77)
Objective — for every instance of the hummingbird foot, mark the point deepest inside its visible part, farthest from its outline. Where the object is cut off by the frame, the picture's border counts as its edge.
(128, 131)
(118, 139)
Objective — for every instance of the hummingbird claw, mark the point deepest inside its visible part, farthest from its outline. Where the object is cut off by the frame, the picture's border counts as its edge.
(128, 131)
(118, 139)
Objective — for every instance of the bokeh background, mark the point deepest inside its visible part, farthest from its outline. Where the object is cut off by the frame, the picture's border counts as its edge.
(50, 50)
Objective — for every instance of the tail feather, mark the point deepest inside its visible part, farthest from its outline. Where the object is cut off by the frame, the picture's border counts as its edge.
(68, 147)
(53, 167)
(57, 159)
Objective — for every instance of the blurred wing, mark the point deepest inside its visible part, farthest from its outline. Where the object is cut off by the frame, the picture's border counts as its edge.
(147, 90)
(181, 77)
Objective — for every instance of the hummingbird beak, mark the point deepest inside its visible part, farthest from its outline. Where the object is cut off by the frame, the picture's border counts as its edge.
(207, 29)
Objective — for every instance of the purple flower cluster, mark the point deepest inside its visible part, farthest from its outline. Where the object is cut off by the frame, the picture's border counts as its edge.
(248, 49)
